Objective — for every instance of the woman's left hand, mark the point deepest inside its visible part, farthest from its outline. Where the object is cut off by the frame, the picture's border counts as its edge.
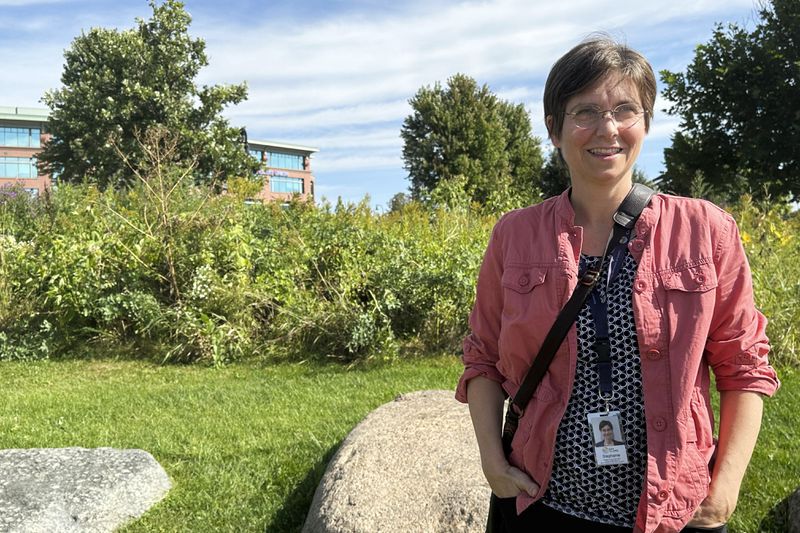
(739, 422)
(715, 510)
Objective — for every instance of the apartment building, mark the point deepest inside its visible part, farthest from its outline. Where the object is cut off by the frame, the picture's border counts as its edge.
(285, 169)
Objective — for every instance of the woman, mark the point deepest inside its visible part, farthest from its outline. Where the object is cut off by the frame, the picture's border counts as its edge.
(678, 302)
(607, 432)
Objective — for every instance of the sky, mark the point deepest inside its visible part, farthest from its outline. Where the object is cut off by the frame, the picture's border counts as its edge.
(337, 75)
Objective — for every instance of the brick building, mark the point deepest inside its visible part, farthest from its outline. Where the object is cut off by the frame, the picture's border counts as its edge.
(286, 168)
(22, 134)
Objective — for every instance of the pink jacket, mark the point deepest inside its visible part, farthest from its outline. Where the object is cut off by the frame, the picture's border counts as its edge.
(693, 306)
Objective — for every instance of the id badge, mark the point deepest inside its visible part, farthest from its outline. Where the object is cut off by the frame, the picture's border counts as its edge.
(608, 438)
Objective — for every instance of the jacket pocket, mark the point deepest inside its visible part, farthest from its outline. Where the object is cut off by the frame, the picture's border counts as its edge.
(519, 442)
(522, 279)
(700, 423)
(691, 487)
(519, 298)
(691, 278)
(688, 299)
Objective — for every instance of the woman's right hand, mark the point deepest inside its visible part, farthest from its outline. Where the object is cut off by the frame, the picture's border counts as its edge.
(486, 399)
(507, 481)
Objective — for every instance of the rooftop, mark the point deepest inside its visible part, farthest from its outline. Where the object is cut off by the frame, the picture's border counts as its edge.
(33, 114)
(286, 146)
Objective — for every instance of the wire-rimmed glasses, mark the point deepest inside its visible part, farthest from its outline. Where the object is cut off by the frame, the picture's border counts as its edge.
(625, 115)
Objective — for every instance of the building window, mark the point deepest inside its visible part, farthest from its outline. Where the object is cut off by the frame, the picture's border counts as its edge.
(284, 160)
(256, 154)
(22, 137)
(286, 185)
(18, 167)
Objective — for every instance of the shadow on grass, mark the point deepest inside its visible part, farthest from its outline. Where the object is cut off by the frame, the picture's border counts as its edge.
(291, 516)
(777, 519)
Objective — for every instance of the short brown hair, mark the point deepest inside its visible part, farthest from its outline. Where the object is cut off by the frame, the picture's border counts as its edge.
(589, 62)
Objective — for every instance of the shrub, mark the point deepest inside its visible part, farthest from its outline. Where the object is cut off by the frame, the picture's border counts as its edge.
(172, 272)
(770, 232)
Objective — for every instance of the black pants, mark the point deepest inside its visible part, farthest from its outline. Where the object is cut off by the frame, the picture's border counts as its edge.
(539, 517)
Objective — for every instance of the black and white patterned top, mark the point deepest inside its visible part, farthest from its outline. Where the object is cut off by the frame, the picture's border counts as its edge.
(578, 486)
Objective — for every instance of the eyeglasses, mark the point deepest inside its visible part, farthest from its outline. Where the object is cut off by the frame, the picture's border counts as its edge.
(625, 115)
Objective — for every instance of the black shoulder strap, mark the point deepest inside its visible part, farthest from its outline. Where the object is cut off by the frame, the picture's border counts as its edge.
(624, 219)
(633, 205)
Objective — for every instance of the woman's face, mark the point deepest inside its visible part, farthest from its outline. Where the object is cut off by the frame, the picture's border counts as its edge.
(608, 433)
(604, 154)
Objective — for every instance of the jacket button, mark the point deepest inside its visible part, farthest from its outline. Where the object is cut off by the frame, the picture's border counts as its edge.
(662, 495)
(659, 423)
(524, 280)
(640, 285)
(653, 355)
(700, 279)
(637, 245)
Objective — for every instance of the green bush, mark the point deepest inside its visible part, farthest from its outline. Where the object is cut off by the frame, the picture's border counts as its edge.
(771, 235)
(170, 272)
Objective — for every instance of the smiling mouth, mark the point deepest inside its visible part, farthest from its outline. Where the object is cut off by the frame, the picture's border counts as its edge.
(605, 151)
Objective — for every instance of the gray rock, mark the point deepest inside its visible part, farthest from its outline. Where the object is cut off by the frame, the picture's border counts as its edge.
(69, 490)
(410, 465)
(793, 514)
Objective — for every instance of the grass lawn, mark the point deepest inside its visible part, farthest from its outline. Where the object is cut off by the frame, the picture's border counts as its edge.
(246, 445)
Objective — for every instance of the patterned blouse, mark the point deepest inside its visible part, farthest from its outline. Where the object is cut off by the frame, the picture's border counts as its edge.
(578, 486)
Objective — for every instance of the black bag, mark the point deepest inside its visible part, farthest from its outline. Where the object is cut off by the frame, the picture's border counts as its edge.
(624, 219)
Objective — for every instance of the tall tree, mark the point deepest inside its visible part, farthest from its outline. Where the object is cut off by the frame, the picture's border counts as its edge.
(118, 84)
(555, 176)
(464, 130)
(738, 102)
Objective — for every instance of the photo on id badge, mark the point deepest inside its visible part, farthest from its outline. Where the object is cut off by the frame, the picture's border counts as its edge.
(608, 438)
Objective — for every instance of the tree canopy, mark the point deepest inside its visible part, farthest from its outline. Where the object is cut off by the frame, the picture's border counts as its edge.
(555, 176)
(739, 104)
(118, 84)
(465, 132)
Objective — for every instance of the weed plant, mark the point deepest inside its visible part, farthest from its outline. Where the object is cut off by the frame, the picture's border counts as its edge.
(170, 272)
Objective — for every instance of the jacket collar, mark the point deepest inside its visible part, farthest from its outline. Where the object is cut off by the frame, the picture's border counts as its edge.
(564, 208)
(646, 221)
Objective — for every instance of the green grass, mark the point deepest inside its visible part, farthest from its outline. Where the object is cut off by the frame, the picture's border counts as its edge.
(774, 471)
(246, 445)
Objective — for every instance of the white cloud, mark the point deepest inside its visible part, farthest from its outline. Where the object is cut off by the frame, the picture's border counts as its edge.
(26, 3)
(326, 118)
(355, 139)
(377, 161)
(360, 70)
(342, 82)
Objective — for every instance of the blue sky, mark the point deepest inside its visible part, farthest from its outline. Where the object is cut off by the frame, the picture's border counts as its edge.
(338, 74)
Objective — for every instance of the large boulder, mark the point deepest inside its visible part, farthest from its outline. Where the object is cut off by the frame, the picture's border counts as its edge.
(794, 512)
(76, 489)
(410, 465)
